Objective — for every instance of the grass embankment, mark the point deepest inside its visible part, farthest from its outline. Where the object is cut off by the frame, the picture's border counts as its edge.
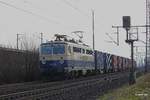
(138, 91)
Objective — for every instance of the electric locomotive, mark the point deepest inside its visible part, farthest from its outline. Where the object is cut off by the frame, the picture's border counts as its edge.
(64, 56)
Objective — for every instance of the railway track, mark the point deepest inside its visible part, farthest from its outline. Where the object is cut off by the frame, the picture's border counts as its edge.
(20, 87)
(54, 90)
(9, 88)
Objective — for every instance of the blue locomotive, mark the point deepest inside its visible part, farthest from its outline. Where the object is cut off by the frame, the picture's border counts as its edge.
(72, 58)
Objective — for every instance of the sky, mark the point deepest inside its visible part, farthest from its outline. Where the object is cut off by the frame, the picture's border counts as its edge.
(31, 17)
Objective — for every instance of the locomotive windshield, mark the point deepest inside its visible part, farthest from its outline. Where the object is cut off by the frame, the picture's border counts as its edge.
(53, 49)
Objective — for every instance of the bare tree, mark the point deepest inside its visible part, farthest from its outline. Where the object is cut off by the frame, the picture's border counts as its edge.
(31, 58)
(19, 65)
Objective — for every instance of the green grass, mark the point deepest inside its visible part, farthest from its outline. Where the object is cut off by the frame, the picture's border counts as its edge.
(138, 91)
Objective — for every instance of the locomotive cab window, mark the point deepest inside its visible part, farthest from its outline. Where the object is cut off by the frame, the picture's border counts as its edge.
(53, 49)
(46, 49)
(58, 49)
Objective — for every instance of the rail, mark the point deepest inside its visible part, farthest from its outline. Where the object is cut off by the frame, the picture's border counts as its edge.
(51, 91)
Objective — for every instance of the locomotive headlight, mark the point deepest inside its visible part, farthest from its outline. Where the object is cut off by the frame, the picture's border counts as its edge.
(61, 60)
(43, 60)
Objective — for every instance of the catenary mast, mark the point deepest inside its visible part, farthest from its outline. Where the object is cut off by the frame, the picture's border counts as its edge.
(147, 58)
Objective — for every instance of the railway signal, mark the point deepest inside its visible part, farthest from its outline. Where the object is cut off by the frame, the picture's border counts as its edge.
(127, 26)
(130, 41)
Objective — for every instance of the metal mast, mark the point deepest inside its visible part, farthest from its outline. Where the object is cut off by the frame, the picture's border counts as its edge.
(147, 57)
(41, 38)
(93, 29)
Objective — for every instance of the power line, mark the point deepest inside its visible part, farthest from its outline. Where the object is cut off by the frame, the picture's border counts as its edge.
(68, 3)
(33, 5)
(74, 7)
(38, 15)
(140, 40)
(64, 24)
(29, 12)
(112, 40)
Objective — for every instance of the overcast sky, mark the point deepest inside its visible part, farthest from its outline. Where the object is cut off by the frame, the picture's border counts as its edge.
(50, 17)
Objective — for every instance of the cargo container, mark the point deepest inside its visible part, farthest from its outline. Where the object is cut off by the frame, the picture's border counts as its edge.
(119, 63)
(114, 63)
(108, 62)
(99, 61)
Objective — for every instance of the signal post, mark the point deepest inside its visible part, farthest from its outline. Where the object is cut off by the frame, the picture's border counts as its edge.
(130, 41)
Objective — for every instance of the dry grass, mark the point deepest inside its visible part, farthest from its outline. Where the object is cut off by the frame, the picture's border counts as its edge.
(138, 91)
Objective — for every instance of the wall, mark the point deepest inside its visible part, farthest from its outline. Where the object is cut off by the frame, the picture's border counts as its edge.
(18, 66)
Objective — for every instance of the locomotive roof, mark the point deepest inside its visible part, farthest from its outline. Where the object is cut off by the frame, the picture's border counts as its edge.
(66, 42)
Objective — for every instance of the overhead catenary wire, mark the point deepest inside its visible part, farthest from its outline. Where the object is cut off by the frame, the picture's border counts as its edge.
(112, 40)
(34, 5)
(65, 1)
(37, 15)
(29, 12)
(74, 7)
(7, 4)
(140, 40)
